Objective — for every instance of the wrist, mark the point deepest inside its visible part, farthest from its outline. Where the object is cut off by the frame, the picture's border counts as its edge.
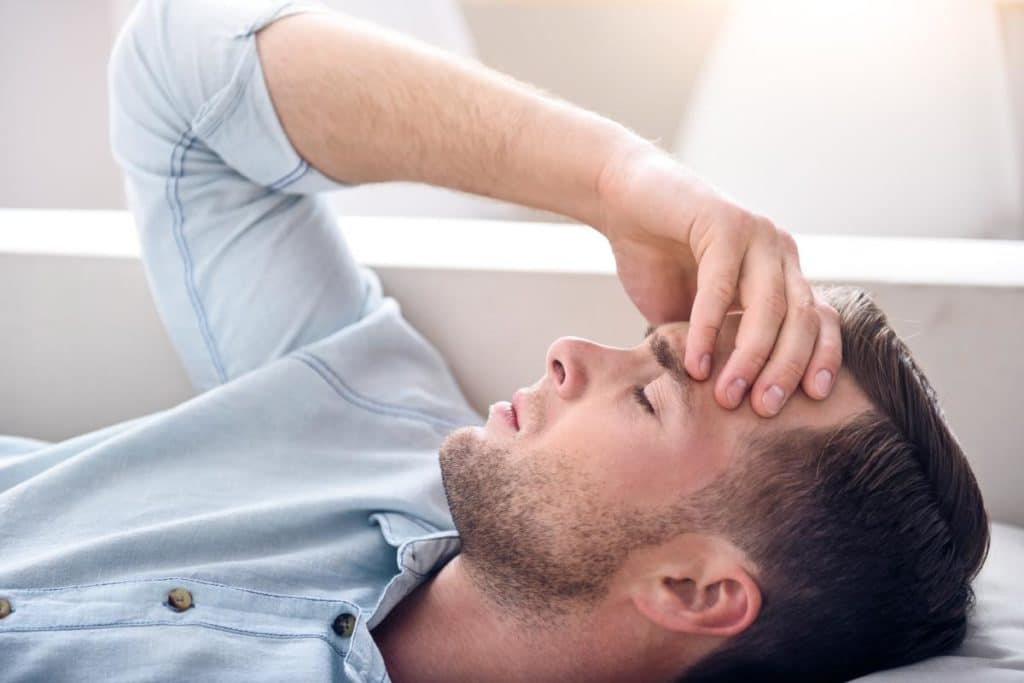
(646, 195)
(615, 175)
(573, 153)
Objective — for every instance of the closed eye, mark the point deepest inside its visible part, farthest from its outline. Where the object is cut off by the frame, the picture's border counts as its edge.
(641, 398)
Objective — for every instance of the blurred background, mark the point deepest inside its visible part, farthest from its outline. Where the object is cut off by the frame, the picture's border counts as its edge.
(886, 135)
(894, 117)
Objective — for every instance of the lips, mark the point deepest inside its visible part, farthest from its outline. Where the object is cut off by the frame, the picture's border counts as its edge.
(517, 399)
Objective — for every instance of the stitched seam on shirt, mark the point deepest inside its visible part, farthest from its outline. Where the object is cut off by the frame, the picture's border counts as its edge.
(178, 214)
(344, 603)
(288, 178)
(415, 573)
(241, 78)
(380, 598)
(229, 97)
(413, 520)
(385, 522)
(360, 401)
(201, 624)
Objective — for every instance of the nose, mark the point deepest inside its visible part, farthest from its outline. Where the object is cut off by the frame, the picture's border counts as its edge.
(573, 363)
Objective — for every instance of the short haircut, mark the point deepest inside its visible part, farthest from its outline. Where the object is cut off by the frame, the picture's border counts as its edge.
(865, 536)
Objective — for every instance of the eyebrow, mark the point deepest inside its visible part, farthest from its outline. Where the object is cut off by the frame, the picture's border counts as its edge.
(669, 359)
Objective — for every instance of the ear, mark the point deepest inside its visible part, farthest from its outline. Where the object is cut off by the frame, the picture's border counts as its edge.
(713, 596)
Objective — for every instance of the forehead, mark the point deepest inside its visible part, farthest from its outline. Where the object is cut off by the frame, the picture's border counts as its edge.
(845, 401)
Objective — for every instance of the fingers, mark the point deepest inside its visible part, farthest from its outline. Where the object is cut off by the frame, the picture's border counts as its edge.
(764, 290)
(788, 336)
(794, 347)
(828, 352)
(717, 282)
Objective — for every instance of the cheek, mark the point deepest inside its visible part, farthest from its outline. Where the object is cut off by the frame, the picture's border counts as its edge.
(606, 450)
(658, 473)
(626, 464)
(624, 460)
(634, 476)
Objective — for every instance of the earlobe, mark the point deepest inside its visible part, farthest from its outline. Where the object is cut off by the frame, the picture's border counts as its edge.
(723, 605)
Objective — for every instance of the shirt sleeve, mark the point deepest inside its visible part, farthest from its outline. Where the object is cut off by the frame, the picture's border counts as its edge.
(245, 261)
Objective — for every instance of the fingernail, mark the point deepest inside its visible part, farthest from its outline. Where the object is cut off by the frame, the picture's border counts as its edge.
(773, 398)
(822, 381)
(735, 391)
(705, 365)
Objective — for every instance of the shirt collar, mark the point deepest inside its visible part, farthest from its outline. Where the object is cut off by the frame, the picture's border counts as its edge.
(418, 555)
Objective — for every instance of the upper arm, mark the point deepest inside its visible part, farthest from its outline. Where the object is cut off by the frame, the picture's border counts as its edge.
(245, 264)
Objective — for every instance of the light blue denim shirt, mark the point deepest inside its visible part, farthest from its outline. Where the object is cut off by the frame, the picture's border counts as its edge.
(260, 530)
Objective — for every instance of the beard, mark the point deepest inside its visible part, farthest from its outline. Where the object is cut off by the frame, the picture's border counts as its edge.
(536, 540)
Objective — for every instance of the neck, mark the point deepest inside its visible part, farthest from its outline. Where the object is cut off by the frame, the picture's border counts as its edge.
(447, 631)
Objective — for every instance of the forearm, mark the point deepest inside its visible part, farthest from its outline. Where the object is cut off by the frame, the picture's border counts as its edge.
(365, 105)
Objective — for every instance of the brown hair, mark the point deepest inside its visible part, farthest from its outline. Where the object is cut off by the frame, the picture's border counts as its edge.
(866, 536)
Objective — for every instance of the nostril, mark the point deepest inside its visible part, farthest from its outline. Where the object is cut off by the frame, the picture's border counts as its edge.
(559, 370)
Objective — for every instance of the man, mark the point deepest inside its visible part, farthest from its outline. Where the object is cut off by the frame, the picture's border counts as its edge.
(623, 518)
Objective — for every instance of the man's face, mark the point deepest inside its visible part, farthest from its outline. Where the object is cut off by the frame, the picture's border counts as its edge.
(551, 496)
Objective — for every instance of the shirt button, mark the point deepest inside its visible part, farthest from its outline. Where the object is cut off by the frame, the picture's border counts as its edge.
(5, 607)
(179, 599)
(344, 624)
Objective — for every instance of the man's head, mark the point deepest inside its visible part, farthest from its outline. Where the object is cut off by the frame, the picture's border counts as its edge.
(835, 538)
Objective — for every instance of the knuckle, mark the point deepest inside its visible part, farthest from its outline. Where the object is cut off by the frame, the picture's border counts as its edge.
(757, 222)
(790, 371)
(776, 305)
(827, 312)
(767, 229)
(806, 314)
(830, 348)
(732, 214)
(702, 335)
(707, 333)
(745, 223)
(721, 290)
(725, 214)
(805, 304)
(755, 359)
(786, 241)
(709, 328)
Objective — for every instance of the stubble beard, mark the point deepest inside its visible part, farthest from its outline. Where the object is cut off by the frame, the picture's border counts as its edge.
(535, 540)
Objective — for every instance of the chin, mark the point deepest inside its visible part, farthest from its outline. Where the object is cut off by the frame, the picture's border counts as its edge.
(462, 443)
(469, 450)
(464, 436)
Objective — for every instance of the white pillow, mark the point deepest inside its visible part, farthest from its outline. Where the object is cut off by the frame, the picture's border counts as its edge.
(994, 647)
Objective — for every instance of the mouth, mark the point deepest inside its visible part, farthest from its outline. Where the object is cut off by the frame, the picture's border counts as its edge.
(505, 411)
(517, 401)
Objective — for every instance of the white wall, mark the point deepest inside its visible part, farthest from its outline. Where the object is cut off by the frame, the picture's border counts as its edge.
(862, 118)
(54, 149)
(634, 62)
(842, 135)
(53, 111)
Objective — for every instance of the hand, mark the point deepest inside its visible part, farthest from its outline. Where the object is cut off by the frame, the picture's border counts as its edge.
(685, 252)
